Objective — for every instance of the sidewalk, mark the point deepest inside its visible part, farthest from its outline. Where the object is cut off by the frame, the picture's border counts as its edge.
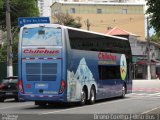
(146, 79)
(152, 85)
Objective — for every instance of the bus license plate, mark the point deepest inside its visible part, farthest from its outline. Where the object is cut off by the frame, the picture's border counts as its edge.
(41, 86)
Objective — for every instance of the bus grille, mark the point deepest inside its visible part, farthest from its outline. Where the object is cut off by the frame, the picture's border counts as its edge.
(41, 71)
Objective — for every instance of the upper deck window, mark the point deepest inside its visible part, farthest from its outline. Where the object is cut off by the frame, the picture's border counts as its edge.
(39, 36)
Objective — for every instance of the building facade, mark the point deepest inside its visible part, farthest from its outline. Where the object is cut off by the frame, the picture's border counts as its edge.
(141, 60)
(122, 1)
(101, 16)
(44, 7)
(140, 54)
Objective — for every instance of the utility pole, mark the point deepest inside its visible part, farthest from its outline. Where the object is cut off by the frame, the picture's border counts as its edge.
(148, 51)
(9, 40)
(88, 25)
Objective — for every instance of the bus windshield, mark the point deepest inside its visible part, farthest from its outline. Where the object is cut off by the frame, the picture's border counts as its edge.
(41, 36)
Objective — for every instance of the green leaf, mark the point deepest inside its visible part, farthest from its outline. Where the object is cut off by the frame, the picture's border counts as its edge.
(153, 11)
(68, 20)
(19, 8)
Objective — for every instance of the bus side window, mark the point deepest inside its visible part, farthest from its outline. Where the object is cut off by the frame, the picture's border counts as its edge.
(109, 72)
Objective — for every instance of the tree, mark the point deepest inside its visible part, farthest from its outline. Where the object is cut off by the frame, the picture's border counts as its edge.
(67, 20)
(156, 37)
(3, 49)
(153, 11)
(1, 4)
(19, 8)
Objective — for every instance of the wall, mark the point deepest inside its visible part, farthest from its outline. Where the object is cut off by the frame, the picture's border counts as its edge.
(3, 70)
(128, 17)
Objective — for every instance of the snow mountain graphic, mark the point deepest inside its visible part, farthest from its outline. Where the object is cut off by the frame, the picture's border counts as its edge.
(83, 72)
(83, 76)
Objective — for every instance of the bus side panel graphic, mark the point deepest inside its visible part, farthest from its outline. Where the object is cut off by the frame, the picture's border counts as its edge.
(76, 81)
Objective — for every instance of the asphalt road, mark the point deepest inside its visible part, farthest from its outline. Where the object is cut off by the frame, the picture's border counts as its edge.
(145, 99)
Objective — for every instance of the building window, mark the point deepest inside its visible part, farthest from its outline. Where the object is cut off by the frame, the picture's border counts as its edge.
(72, 10)
(41, 4)
(141, 47)
(99, 11)
(153, 55)
(124, 11)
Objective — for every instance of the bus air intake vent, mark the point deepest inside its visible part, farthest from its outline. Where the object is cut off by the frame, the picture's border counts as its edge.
(41, 71)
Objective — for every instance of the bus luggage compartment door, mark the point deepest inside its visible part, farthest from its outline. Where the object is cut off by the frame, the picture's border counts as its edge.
(41, 77)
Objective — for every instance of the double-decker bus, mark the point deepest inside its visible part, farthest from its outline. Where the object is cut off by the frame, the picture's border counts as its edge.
(63, 64)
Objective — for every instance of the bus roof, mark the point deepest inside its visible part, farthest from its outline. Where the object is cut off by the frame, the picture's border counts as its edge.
(72, 28)
(82, 30)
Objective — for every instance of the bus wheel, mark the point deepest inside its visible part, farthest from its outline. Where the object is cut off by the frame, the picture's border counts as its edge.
(123, 91)
(92, 96)
(83, 97)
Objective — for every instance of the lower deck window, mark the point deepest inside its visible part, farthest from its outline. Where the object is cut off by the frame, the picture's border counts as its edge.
(109, 72)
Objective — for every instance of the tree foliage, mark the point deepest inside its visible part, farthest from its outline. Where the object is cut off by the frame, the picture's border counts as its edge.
(1, 4)
(156, 37)
(154, 13)
(3, 49)
(19, 8)
(67, 20)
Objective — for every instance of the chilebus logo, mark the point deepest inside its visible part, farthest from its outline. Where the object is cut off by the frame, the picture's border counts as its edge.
(123, 67)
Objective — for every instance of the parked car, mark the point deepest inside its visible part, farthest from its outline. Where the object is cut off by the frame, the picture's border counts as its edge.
(9, 88)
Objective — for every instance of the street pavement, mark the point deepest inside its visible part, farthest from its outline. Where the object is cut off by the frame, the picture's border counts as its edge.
(145, 99)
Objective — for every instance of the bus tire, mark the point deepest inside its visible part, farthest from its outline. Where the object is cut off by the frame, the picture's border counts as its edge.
(83, 97)
(123, 91)
(92, 96)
